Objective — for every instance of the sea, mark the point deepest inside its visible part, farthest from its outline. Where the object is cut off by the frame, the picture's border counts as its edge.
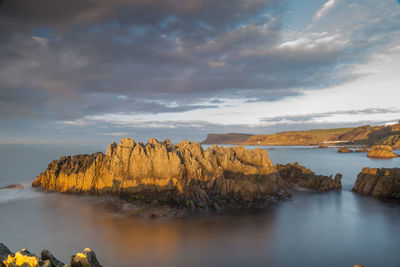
(311, 229)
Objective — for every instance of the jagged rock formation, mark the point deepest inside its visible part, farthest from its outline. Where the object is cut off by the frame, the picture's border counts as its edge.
(296, 174)
(382, 183)
(184, 175)
(229, 138)
(344, 150)
(24, 258)
(381, 152)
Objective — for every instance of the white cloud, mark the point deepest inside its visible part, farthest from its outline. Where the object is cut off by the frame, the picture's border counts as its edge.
(324, 10)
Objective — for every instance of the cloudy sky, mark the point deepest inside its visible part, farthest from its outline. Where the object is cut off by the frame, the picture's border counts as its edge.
(93, 71)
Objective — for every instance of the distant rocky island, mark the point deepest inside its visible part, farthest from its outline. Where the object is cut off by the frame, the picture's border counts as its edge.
(364, 135)
(183, 176)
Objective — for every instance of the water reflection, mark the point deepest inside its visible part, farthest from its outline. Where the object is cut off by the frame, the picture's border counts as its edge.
(312, 229)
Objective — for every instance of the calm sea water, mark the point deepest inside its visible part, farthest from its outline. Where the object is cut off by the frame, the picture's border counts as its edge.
(312, 229)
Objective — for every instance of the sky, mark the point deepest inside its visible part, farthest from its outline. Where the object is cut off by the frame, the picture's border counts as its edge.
(90, 71)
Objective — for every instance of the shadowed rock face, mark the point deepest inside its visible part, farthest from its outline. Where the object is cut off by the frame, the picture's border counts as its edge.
(184, 175)
(381, 152)
(382, 183)
(295, 174)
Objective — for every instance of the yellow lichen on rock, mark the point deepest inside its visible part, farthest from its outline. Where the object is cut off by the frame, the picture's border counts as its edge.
(20, 258)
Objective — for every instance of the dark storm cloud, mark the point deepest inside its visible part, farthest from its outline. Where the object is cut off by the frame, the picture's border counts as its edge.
(68, 59)
(307, 118)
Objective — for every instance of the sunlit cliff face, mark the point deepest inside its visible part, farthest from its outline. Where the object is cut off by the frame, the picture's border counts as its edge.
(92, 71)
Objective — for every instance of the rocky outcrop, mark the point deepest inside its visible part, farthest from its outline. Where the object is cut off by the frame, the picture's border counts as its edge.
(382, 183)
(344, 150)
(381, 152)
(295, 174)
(24, 258)
(12, 186)
(182, 175)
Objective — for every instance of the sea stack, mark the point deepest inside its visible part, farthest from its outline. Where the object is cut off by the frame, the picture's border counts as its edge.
(182, 175)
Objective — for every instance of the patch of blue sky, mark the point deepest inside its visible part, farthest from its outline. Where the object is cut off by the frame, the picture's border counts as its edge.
(42, 32)
(300, 14)
(165, 24)
(139, 30)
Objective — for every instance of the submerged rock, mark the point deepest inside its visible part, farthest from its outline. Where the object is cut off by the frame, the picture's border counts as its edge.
(12, 186)
(344, 150)
(382, 183)
(182, 175)
(24, 258)
(296, 174)
(381, 151)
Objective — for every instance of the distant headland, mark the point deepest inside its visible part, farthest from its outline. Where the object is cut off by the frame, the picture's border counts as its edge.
(364, 135)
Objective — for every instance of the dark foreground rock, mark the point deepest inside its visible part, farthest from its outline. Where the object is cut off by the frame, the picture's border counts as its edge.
(24, 258)
(12, 186)
(382, 183)
(295, 174)
(381, 151)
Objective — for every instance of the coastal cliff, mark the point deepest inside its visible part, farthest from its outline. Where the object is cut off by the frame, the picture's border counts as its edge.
(382, 183)
(297, 138)
(392, 140)
(182, 175)
(363, 135)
